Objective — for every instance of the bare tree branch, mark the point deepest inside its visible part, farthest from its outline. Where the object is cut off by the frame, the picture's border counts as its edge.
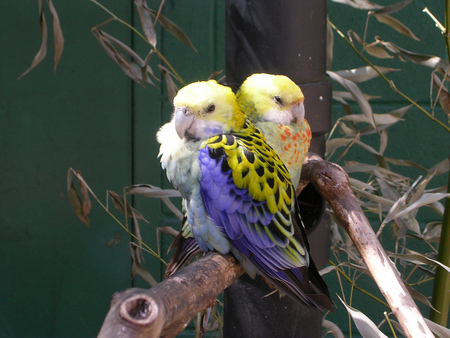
(166, 309)
(331, 181)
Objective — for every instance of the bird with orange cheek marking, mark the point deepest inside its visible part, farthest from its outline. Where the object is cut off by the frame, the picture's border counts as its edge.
(274, 104)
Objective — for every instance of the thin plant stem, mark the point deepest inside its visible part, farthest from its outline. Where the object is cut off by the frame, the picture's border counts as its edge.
(115, 17)
(390, 82)
(390, 324)
(342, 273)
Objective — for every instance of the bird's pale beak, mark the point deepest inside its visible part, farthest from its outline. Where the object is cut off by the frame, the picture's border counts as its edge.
(298, 111)
(183, 120)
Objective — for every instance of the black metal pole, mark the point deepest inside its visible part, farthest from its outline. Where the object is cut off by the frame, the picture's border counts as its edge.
(289, 38)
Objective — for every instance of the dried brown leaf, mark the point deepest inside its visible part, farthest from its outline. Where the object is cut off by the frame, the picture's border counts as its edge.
(119, 204)
(43, 49)
(443, 95)
(172, 88)
(393, 8)
(396, 24)
(146, 21)
(169, 230)
(138, 269)
(57, 34)
(372, 48)
(172, 28)
(75, 200)
(111, 45)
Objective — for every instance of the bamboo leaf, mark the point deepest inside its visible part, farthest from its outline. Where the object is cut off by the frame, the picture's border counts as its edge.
(364, 73)
(439, 330)
(78, 206)
(426, 60)
(372, 48)
(395, 24)
(443, 95)
(138, 269)
(172, 28)
(57, 33)
(347, 96)
(156, 192)
(441, 167)
(151, 191)
(169, 230)
(416, 258)
(422, 201)
(43, 49)
(119, 204)
(393, 8)
(365, 326)
(111, 45)
(359, 4)
(146, 21)
(171, 86)
(432, 232)
(357, 94)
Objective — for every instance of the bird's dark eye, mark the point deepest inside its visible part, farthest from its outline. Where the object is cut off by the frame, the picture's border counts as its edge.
(278, 100)
(210, 108)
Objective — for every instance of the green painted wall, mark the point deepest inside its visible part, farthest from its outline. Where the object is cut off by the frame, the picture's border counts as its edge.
(57, 276)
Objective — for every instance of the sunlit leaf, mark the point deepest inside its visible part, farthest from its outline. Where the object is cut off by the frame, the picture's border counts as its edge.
(364, 73)
(57, 34)
(441, 167)
(359, 184)
(430, 61)
(365, 326)
(347, 96)
(416, 258)
(439, 330)
(172, 28)
(395, 24)
(146, 21)
(387, 119)
(331, 328)
(43, 49)
(393, 8)
(363, 104)
(373, 197)
(432, 232)
(372, 48)
(425, 199)
(360, 4)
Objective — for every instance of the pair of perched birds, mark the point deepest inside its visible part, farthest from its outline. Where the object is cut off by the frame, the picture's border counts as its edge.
(236, 160)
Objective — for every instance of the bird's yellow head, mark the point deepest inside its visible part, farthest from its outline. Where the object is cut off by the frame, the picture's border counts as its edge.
(274, 98)
(204, 109)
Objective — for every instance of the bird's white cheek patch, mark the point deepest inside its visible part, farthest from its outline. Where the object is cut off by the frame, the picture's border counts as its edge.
(279, 116)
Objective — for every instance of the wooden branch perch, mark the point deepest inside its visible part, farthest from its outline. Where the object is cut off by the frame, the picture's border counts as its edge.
(331, 181)
(166, 309)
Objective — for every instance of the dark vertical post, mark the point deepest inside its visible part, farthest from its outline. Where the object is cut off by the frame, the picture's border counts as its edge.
(281, 37)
